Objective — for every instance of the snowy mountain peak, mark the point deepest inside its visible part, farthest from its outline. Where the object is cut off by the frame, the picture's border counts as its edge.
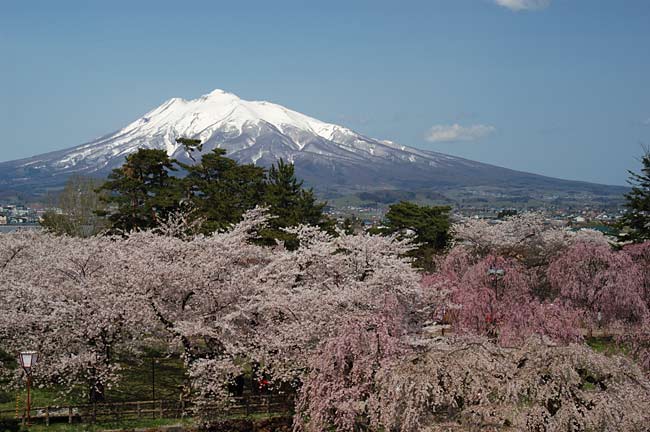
(218, 93)
(223, 111)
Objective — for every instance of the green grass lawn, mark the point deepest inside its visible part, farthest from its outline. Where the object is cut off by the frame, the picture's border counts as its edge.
(607, 345)
(156, 375)
(40, 397)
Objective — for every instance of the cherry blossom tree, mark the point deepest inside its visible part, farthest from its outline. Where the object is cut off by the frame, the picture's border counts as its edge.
(223, 299)
(637, 340)
(66, 298)
(341, 377)
(529, 237)
(599, 281)
(345, 316)
(636, 337)
(493, 296)
(308, 293)
(471, 384)
(640, 254)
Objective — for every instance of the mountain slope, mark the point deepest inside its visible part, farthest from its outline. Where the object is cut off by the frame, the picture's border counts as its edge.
(329, 157)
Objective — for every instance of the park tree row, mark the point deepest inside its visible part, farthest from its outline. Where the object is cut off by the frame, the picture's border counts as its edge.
(215, 191)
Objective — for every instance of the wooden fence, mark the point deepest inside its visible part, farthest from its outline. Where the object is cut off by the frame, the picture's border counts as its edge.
(118, 411)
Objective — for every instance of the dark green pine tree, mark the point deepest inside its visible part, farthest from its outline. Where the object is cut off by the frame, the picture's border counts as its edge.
(429, 224)
(291, 205)
(636, 222)
(221, 190)
(190, 145)
(142, 192)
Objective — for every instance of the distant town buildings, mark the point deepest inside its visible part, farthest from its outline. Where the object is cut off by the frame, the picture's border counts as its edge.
(18, 215)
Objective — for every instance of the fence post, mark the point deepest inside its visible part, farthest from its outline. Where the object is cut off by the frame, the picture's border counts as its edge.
(70, 415)
(161, 409)
(94, 412)
(138, 408)
(47, 416)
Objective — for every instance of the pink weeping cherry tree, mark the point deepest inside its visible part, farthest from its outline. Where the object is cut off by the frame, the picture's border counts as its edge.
(640, 254)
(470, 384)
(337, 389)
(637, 336)
(493, 297)
(605, 284)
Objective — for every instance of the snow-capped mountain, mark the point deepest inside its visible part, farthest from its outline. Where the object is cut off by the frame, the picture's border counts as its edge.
(327, 156)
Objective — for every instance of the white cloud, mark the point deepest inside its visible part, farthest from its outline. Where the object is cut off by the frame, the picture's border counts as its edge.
(519, 5)
(456, 132)
(646, 121)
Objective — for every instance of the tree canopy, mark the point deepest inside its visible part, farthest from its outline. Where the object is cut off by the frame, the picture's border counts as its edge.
(290, 203)
(637, 219)
(219, 190)
(78, 202)
(428, 224)
(143, 191)
(346, 319)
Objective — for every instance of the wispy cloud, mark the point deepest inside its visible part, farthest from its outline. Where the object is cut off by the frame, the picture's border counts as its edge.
(456, 132)
(646, 122)
(521, 5)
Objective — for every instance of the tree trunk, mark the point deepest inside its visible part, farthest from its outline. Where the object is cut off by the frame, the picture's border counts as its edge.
(97, 393)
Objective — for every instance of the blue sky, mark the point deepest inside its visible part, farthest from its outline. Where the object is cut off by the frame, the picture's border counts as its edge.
(557, 87)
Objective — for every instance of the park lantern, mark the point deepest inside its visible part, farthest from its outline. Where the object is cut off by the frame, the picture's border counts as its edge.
(28, 360)
(496, 273)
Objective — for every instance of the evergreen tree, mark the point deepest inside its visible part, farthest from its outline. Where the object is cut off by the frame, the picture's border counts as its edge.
(637, 219)
(428, 224)
(142, 192)
(290, 204)
(190, 145)
(221, 190)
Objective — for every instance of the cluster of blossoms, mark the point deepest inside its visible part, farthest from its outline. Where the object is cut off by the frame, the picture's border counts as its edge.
(519, 295)
(469, 384)
(555, 282)
(552, 281)
(346, 317)
(217, 300)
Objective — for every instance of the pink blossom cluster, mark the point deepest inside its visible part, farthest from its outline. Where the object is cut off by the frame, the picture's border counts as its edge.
(523, 276)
